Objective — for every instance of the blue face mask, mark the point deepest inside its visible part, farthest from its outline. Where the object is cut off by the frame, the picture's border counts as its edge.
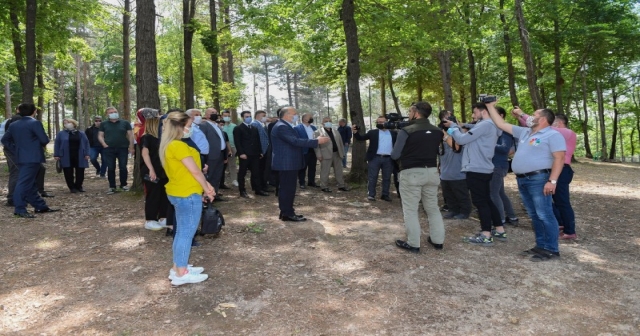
(295, 118)
(187, 134)
(226, 119)
(248, 120)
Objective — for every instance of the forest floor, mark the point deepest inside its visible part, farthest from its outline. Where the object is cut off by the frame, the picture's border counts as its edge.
(92, 269)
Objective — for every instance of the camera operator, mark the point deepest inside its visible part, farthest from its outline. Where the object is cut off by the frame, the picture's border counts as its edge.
(416, 151)
(480, 143)
(381, 141)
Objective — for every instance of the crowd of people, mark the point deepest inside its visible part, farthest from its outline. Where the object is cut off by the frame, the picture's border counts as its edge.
(187, 156)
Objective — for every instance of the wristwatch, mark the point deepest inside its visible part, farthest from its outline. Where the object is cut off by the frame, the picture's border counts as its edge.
(553, 181)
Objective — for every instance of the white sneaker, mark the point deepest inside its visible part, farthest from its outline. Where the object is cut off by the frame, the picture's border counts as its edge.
(153, 226)
(235, 183)
(163, 222)
(188, 278)
(190, 268)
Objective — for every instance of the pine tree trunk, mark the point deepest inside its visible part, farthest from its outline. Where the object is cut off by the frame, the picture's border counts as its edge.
(358, 169)
(30, 51)
(266, 80)
(393, 93)
(511, 72)
(344, 104)
(288, 79)
(557, 66)
(126, 60)
(473, 78)
(463, 97)
(188, 12)
(40, 80)
(7, 100)
(603, 133)
(529, 62)
(444, 60)
(419, 86)
(383, 96)
(295, 90)
(146, 62)
(585, 122)
(614, 132)
(215, 66)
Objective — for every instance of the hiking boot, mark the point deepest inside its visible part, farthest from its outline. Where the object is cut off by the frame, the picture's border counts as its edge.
(501, 236)
(479, 239)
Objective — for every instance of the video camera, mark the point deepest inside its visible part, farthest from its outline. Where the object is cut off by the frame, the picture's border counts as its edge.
(450, 118)
(395, 121)
(485, 98)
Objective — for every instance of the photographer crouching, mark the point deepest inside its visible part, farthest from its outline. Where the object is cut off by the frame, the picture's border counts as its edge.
(416, 151)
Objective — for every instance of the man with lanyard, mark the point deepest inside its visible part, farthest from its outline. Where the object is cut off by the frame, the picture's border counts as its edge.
(537, 164)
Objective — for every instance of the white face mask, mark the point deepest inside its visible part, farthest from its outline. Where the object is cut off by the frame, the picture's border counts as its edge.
(264, 119)
(113, 115)
(328, 124)
(69, 126)
(197, 120)
(531, 121)
(187, 134)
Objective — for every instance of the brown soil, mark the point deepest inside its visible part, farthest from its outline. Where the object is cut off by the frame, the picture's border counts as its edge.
(93, 269)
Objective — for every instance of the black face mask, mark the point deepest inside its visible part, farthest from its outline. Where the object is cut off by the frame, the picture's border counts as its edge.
(311, 121)
(380, 126)
(213, 117)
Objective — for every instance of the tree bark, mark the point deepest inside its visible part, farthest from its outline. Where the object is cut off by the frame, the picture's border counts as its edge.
(444, 60)
(603, 133)
(344, 103)
(473, 78)
(126, 60)
(393, 92)
(529, 62)
(30, 51)
(511, 72)
(146, 61)
(419, 86)
(614, 132)
(288, 79)
(266, 80)
(383, 96)
(16, 39)
(585, 122)
(40, 80)
(78, 74)
(358, 173)
(557, 66)
(8, 111)
(295, 89)
(543, 94)
(463, 96)
(215, 66)
(188, 13)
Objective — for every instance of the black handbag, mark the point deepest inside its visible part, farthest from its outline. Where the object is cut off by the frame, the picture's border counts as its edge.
(212, 219)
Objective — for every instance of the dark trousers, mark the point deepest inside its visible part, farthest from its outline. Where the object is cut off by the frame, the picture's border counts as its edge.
(40, 178)
(13, 174)
(374, 166)
(265, 167)
(26, 191)
(456, 194)
(252, 163)
(156, 201)
(216, 171)
(73, 182)
(562, 203)
(110, 155)
(309, 169)
(286, 191)
(479, 187)
(93, 155)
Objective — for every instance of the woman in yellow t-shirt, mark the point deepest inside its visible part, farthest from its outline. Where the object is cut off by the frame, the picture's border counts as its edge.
(185, 191)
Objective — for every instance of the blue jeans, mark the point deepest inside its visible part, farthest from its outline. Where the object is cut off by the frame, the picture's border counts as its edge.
(561, 202)
(110, 154)
(540, 209)
(374, 167)
(344, 159)
(188, 213)
(498, 196)
(93, 155)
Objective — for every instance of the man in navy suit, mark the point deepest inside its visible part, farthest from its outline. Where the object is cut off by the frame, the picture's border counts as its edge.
(25, 138)
(305, 131)
(378, 156)
(288, 159)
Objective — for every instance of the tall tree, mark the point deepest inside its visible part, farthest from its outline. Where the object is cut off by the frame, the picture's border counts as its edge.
(529, 61)
(25, 64)
(188, 14)
(511, 73)
(126, 56)
(146, 62)
(353, 87)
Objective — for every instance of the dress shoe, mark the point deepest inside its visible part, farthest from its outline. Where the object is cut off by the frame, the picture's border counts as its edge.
(449, 215)
(81, 189)
(268, 189)
(404, 245)
(299, 216)
(73, 191)
(219, 198)
(224, 186)
(302, 186)
(326, 189)
(293, 219)
(244, 194)
(24, 215)
(314, 185)
(47, 210)
(262, 193)
(343, 188)
(386, 198)
(435, 246)
(46, 194)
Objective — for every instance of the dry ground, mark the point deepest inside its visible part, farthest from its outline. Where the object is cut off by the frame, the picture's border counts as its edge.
(93, 269)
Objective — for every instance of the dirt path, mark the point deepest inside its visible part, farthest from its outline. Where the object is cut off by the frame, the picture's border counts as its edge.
(93, 269)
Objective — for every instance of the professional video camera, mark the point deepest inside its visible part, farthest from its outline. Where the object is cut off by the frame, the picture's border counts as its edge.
(484, 98)
(395, 121)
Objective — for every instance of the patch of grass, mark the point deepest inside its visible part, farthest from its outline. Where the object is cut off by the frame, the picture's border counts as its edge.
(255, 228)
(339, 281)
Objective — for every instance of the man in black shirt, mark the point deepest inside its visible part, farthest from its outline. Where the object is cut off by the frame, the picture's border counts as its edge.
(416, 151)
(96, 147)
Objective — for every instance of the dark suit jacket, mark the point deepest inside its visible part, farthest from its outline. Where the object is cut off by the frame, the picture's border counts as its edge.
(61, 149)
(247, 140)
(287, 147)
(25, 139)
(213, 139)
(302, 133)
(372, 136)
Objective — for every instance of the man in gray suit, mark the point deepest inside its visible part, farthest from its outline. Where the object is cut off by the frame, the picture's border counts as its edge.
(330, 155)
(218, 151)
